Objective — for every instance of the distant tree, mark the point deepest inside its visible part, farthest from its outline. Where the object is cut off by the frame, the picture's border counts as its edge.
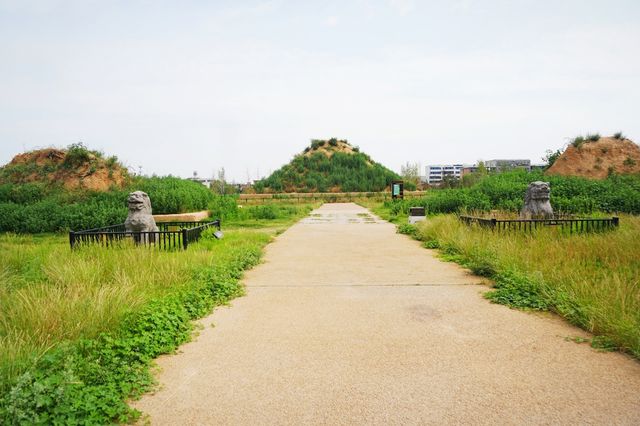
(220, 184)
(450, 181)
(410, 172)
(473, 178)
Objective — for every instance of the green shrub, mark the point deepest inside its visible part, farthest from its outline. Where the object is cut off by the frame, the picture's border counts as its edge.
(224, 207)
(77, 155)
(517, 291)
(111, 162)
(174, 195)
(408, 229)
(578, 141)
(267, 211)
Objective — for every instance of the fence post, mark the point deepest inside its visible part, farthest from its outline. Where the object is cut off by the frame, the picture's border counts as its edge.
(184, 239)
(72, 239)
(616, 221)
(493, 223)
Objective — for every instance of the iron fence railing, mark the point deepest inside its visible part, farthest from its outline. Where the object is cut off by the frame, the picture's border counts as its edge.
(569, 225)
(170, 235)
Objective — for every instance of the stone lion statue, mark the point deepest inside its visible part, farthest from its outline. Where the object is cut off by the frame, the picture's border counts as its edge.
(139, 218)
(536, 202)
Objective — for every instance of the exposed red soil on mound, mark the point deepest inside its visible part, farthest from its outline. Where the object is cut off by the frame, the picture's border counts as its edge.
(598, 159)
(48, 166)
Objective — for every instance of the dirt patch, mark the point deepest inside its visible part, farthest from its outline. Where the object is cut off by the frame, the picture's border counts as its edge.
(599, 159)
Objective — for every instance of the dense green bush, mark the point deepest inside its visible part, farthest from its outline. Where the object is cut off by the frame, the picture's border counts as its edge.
(174, 195)
(77, 155)
(33, 208)
(505, 191)
(226, 207)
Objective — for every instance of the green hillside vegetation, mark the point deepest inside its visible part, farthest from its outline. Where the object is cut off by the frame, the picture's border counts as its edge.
(505, 192)
(329, 166)
(38, 195)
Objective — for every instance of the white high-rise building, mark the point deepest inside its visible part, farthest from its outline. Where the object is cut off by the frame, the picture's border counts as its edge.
(436, 173)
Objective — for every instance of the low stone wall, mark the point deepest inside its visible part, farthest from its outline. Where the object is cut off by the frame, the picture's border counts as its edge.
(182, 217)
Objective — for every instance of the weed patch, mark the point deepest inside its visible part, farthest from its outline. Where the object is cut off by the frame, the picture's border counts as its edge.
(86, 378)
(407, 229)
(517, 291)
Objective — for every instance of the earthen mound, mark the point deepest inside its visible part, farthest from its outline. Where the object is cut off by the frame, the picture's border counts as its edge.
(598, 159)
(72, 168)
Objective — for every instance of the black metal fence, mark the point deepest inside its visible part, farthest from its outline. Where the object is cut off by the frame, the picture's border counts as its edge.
(170, 235)
(569, 225)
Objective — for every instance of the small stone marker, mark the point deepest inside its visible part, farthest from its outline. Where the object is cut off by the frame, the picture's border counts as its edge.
(416, 214)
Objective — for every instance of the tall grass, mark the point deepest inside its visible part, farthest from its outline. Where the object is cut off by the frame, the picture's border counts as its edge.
(50, 294)
(79, 329)
(593, 280)
(280, 211)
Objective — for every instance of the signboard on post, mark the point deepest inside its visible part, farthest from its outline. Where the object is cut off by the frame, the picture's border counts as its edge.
(397, 189)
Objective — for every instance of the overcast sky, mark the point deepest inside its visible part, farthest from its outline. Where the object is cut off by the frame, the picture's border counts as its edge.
(178, 86)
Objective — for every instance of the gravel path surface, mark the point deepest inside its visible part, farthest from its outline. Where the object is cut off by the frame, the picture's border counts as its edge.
(347, 322)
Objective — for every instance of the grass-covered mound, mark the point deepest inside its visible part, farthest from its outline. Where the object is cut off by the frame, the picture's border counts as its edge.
(47, 191)
(329, 166)
(75, 167)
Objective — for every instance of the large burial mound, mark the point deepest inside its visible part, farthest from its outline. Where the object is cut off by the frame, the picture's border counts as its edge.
(73, 168)
(328, 166)
(598, 158)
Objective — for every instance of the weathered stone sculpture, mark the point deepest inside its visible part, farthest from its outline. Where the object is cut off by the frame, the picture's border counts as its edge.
(139, 218)
(536, 202)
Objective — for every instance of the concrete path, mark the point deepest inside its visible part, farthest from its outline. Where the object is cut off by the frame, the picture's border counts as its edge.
(347, 322)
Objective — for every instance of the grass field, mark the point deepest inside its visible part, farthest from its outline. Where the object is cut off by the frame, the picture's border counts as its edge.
(79, 329)
(592, 280)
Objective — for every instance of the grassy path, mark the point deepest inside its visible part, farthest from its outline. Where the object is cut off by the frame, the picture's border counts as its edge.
(348, 322)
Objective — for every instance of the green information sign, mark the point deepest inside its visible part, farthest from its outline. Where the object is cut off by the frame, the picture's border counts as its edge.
(397, 189)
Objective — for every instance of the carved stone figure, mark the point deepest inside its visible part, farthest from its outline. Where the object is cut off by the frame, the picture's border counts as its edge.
(536, 202)
(139, 218)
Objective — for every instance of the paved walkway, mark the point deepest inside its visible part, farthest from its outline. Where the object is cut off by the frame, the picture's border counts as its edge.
(348, 322)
